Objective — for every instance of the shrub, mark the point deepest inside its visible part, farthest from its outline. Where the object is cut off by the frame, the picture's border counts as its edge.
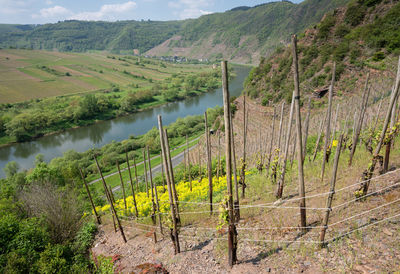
(378, 56)
(355, 13)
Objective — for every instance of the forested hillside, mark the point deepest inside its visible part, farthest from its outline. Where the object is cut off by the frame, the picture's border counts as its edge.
(360, 37)
(245, 34)
(81, 36)
(242, 34)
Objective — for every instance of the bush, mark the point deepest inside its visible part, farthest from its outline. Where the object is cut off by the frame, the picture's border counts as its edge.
(355, 14)
(325, 27)
(378, 56)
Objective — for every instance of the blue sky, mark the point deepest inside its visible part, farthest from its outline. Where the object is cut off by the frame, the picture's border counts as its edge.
(50, 11)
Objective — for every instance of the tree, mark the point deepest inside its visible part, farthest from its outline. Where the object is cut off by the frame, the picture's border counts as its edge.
(11, 169)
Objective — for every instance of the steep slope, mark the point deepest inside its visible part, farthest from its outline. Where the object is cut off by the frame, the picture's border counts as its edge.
(360, 37)
(242, 34)
(245, 34)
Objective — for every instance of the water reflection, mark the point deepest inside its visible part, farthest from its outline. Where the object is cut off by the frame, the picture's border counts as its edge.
(99, 134)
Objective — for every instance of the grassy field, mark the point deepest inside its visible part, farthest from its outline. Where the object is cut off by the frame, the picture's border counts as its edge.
(33, 74)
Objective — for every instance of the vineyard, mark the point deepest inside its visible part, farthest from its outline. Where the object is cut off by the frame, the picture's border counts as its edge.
(266, 185)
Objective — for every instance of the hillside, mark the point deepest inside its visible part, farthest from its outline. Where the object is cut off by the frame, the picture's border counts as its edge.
(242, 34)
(361, 37)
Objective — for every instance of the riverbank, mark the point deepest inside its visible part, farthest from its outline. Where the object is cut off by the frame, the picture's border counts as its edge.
(102, 133)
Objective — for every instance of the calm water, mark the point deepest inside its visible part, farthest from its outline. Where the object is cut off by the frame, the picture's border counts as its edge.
(118, 129)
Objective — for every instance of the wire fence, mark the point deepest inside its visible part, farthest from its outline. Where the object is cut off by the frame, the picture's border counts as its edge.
(134, 222)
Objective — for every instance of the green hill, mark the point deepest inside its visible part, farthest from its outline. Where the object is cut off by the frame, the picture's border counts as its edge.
(242, 34)
(361, 37)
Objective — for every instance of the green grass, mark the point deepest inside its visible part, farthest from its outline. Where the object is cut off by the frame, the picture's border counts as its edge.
(25, 81)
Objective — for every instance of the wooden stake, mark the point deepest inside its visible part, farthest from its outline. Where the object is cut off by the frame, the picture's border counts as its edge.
(280, 127)
(271, 142)
(331, 192)
(174, 230)
(279, 188)
(110, 201)
(209, 171)
(328, 122)
(389, 144)
(360, 121)
(318, 138)
(90, 197)
(122, 185)
(366, 180)
(244, 163)
(236, 201)
(162, 173)
(302, 204)
(172, 177)
(130, 178)
(136, 173)
(145, 172)
(153, 216)
(188, 160)
(232, 234)
(307, 124)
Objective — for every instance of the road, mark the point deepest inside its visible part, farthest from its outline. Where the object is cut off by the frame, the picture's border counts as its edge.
(176, 160)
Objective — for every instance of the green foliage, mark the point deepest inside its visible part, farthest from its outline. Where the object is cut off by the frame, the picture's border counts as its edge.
(341, 51)
(11, 169)
(378, 56)
(326, 26)
(355, 14)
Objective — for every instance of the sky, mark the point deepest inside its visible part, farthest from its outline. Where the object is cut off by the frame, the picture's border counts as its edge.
(51, 11)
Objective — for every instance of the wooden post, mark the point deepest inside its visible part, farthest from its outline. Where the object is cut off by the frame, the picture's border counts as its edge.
(236, 201)
(271, 143)
(219, 155)
(199, 155)
(280, 127)
(307, 124)
(112, 194)
(136, 173)
(331, 192)
(174, 229)
(279, 187)
(90, 197)
(188, 160)
(294, 147)
(156, 195)
(365, 185)
(153, 216)
(328, 122)
(302, 204)
(392, 123)
(145, 172)
(244, 163)
(172, 177)
(110, 201)
(232, 240)
(335, 124)
(321, 124)
(122, 185)
(162, 173)
(360, 120)
(209, 171)
(130, 178)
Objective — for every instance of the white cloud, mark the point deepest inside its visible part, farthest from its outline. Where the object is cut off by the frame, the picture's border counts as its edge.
(52, 12)
(106, 12)
(14, 6)
(191, 8)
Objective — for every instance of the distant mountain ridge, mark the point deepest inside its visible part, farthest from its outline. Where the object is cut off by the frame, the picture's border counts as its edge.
(242, 34)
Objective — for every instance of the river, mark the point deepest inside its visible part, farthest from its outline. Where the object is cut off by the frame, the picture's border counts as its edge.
(118, 129)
